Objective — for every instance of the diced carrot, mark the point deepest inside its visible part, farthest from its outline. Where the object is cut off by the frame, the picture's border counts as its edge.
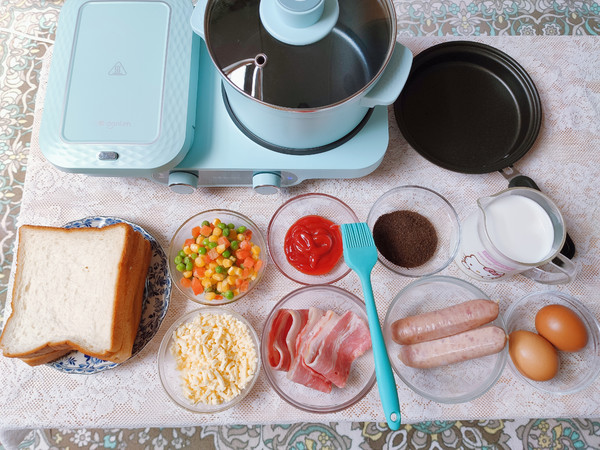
(248, 234)
(242, 254)
(206, 230)
(189, 242)
(213, 254)
(246, 273)
(196, 232)
(244, 286)
(199, 272)
(186, 282)
(223, 241)
(245, 245)
(248, 262)
(258, 264)
(197, 286)
(219, 297)
(206, 259)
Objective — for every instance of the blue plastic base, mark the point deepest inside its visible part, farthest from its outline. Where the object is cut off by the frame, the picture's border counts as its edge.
(216, 136)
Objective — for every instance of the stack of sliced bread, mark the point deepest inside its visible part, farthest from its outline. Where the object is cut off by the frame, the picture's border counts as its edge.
(76, 289)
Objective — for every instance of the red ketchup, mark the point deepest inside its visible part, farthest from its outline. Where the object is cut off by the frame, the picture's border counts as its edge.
(313, 245)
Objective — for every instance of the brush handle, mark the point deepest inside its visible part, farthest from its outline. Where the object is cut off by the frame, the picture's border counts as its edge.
(383, 370)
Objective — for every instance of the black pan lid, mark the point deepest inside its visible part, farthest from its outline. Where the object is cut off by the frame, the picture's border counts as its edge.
(468, 107)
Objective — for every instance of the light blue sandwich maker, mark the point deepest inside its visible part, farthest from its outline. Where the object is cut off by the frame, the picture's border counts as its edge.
(132, 92)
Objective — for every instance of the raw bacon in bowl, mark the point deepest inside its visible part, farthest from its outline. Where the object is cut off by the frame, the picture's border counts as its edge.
(317, 349)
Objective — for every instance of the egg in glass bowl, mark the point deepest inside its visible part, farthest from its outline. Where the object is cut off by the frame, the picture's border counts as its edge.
(217, 257)
(553, 327)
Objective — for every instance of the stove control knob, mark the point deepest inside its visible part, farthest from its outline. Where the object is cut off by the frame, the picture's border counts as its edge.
(266, 183)
(183, 182)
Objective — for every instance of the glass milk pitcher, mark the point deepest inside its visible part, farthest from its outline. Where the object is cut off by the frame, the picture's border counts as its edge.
(519, 230)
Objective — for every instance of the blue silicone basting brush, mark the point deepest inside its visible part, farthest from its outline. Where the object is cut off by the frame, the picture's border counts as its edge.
(360, 255)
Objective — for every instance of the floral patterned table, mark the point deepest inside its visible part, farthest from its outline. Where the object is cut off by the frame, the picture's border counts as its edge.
(27, 30)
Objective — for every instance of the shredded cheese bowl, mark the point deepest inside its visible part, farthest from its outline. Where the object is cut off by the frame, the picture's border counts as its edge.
(209, 360)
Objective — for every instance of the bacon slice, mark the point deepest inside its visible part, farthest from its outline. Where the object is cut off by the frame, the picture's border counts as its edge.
(299, 372)
(281, 344)
(339, 342)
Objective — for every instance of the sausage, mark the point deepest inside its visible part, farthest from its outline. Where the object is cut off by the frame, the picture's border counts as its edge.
(444, 322)
(470, 344)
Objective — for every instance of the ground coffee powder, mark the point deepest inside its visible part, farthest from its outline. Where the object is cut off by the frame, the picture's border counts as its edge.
(405, 238)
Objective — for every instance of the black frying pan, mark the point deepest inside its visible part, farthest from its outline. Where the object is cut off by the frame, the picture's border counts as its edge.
(470, 108)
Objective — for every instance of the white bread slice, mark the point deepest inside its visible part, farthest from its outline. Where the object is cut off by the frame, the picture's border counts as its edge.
(75, 289)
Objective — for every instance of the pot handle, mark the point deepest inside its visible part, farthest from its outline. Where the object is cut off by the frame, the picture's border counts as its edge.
(197, 19)
(387, 89)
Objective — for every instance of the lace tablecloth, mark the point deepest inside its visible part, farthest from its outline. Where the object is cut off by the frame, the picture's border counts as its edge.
(564, 161)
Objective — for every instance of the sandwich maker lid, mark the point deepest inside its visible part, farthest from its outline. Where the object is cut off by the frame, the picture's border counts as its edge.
(120, 98)
(469, 107)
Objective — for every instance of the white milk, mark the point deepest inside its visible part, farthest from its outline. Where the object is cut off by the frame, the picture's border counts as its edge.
(519, 228)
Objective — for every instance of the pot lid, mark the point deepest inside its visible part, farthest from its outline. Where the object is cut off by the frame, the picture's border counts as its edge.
(264, 49)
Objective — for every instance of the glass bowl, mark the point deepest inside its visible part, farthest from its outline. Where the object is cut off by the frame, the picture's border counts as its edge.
(433, 207)
(184, 232)
(362, 372)
(577, 370)
(454, 383)
(171, 376)
(291, 211)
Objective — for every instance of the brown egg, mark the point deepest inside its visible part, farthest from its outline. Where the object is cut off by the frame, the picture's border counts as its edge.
(533, 355)
(562, 327)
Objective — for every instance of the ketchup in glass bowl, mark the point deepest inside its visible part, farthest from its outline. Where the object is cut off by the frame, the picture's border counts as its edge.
(305, 240)
(313, 245)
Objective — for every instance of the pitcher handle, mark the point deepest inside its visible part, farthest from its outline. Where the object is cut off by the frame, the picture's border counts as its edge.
(562, 271)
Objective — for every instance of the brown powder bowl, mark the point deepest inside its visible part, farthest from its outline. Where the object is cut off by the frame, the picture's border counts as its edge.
(416, 230)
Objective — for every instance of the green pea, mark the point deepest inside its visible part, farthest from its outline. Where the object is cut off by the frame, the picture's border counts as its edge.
(205, 223)
(228, 295)
(205, 242)
(226, 232)
(212, 244)
(178, 259)
(230, 226)
(202, 250)
(180, 267)
(226, 254)
(193, 256)
(181, 253)
(235, 245)
(222, 226)
(189, 266)
(220, 269)
(241, 229)
(186, 260)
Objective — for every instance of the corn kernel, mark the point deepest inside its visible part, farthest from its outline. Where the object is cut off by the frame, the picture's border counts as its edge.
(213, 238)
(187, 274)
(216, 222)
(210, 296)
(217, 232)
(206, 282)
(231, 280)
(209, 272)
(194, 248)
(227, 263)
(218, 276)
(255, 250)
(199, 262)
(220, 286)
(240, 237)
(187, 250)
(221, 248)
(220, 260)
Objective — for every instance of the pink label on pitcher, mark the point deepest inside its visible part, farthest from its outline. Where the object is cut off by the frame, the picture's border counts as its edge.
(484, 266)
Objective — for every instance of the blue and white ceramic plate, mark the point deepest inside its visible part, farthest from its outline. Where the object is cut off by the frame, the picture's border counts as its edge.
(157, 295)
